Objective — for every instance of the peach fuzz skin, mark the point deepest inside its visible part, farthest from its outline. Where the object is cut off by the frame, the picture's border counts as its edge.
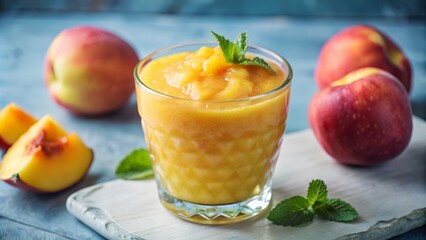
(3, 144)
(357, 47)
(89, 71)
(364, 119)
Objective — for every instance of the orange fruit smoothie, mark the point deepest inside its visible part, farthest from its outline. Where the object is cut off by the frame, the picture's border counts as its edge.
(213, 128)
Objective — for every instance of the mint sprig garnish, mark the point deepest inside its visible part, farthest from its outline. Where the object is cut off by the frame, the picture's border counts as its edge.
(135, 166)
(298, 210)
(292, 212)
(234, 52)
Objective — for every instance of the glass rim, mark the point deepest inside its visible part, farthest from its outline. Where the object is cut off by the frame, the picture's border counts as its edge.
(284, 84)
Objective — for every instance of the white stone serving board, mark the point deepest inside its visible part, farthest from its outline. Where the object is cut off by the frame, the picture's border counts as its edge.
(390, 199)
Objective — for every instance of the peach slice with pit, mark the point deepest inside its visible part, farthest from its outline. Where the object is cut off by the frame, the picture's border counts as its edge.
(14, 122)
(46, 159)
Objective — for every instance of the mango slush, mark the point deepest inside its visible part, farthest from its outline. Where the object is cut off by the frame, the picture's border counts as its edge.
(210, 140)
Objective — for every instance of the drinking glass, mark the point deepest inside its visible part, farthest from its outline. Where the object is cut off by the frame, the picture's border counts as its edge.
(214, 159)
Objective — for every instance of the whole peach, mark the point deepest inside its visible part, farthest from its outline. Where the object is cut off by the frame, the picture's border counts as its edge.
(89, 71)
(363, 118)
(357, 47)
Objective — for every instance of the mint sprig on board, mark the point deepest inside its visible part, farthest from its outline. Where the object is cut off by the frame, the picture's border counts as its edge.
(135, 166)
(299, 210)
(234, 52)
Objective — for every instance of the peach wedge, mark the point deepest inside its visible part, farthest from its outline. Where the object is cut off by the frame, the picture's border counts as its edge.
(46, 159)
(14, 122)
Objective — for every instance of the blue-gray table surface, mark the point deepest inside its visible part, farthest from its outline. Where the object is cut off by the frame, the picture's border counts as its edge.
(25, 37)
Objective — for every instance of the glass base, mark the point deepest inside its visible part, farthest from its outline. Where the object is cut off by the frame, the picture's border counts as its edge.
(218, 214)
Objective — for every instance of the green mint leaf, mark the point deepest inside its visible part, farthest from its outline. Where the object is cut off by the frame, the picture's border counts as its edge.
(229, 49)
(234, 52)
(336, 210)
(135, 166)
(317, 191)
(241, 43)
(299, 210)
(257, 62)
(292, 212)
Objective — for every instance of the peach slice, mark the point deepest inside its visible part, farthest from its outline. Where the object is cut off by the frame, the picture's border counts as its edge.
(14, 122)
(46, 159)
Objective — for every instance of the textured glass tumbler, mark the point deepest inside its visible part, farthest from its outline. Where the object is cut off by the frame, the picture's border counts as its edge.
(214, 159)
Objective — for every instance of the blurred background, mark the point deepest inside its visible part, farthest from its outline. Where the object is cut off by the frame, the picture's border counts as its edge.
(302, 8)
(296, 29)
